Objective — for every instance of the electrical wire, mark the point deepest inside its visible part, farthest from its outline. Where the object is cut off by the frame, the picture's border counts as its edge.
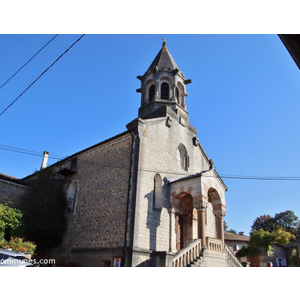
(28, 62)
(41, 75)
(60, 157)
(259, 177)
(29, 152)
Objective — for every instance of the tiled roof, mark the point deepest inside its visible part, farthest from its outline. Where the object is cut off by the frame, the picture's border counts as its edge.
(11, 179)
(236, 237)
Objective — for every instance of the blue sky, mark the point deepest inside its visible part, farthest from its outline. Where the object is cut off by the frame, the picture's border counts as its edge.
(244, 100)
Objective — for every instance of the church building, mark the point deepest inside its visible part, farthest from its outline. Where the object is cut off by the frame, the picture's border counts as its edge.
(149, 196)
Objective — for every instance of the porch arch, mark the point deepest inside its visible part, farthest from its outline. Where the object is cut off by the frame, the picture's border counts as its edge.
(183, 207)
(218, 210)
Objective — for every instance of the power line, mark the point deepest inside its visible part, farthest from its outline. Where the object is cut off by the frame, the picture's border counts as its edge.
(40, 76)
(27, 62)
(29, 152)
(260, 177)
(60, 157)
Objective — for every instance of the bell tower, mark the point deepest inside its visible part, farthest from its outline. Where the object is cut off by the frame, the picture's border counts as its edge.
(163, 88)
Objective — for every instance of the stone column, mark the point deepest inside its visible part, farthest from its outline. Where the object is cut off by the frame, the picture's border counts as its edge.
(220, 228)
(157, 92)
(201, 207)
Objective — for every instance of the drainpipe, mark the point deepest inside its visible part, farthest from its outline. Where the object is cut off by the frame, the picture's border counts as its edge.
(45, 159)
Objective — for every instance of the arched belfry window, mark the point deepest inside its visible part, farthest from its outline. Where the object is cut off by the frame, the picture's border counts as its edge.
(71, 195)
(157, 202)
(164, 91)
(182, 157)
(151, 92)
(177, 95)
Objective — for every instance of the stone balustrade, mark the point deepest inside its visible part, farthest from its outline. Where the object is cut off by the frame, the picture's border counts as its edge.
(190, 254)
(232, 257)
(214, 245)
(187, 255)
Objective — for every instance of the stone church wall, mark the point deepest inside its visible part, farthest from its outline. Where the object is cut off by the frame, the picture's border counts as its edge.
(158, 154)
(96, 226)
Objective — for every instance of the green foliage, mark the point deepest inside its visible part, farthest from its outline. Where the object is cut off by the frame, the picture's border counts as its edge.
(293, 258)
(264, 222)
(283, 237)
(232, 231)
(18, 244)
(248, 250)
(286, 221)
(261, 238)
(44, 207)
(267, 230)
(10, 220)
(225, 226)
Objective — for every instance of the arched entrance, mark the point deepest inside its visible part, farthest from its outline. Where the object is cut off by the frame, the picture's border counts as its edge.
(218, 211)
(184, 221)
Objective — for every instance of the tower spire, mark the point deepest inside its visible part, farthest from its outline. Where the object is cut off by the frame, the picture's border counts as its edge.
(162, 85)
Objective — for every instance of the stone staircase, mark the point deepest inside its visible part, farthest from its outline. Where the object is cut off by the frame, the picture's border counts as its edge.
(214, 255)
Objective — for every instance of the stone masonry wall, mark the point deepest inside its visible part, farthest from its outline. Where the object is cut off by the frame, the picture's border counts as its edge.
(158, 154)
(96, 227)
(11, 192)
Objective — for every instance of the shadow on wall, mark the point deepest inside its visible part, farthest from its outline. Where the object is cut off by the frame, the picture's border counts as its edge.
(151, 262)
(157, 200)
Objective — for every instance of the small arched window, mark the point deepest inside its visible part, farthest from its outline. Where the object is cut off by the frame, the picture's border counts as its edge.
(164, 91)
(157, 202)
(182, 157)
(151, 93)
(71, 195)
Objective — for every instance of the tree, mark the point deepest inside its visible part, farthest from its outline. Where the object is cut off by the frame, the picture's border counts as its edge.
(282, 237)
(286, 221)
(44, 207)
(294, 259)
(261, 238)
(225, 226)
(232, 231)
(10, 220)
(264, 222)
(267, 230)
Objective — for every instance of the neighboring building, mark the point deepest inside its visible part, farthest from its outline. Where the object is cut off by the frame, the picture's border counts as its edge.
(149, 196)
(11, 189)
(236, 242)
(280, 256)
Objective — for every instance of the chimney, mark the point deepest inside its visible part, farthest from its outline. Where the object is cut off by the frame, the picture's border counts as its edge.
(241, 233)
(45, 159)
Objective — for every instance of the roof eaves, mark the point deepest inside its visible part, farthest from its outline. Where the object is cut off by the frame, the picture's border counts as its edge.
(12, 179)
(85, 150)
